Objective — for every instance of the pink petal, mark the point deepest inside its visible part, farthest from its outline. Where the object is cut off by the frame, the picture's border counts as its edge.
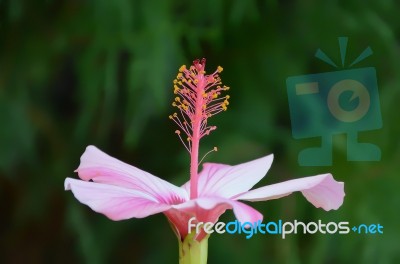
(179, 217)
(226, 181)
(208, 209)
(321, 190)
(101, 168)
(117, 203)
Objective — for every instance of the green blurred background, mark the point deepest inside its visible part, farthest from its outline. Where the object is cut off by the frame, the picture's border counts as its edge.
(74, 73)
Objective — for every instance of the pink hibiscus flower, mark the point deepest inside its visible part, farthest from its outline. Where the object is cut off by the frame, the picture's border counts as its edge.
(121, 191)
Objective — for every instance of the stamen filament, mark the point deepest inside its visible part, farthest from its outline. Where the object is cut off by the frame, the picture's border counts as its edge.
(214, 149)
(183, 142)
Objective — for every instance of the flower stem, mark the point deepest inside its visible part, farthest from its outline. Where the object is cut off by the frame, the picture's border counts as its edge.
(192, 251)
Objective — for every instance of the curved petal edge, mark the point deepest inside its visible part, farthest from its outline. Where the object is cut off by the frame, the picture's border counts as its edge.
(320, 190)
(115, 202)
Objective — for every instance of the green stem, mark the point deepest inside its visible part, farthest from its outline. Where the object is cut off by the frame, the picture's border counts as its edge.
(192, 251)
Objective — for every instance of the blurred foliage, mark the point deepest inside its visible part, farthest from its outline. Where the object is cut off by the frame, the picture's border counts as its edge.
(74, 73)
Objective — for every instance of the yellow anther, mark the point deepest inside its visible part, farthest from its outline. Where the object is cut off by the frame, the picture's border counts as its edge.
(189, 81)
(204, 106)
(227, 97)
(192, 74)
(205, 95)
(174, 114)
(175, 81)
(215, 96)
(173, 104)
(177, 99)
(179, 75)
(220, 69)
(196, 81)
(170, 116)
(182, 68)
(180, 83)
(188, 139)
(215, 149)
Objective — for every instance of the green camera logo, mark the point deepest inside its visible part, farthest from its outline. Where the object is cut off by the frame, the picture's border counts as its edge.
(343, 101)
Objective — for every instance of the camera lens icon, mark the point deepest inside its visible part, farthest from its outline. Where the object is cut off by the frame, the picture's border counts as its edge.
(331, 103)
(358, 90)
